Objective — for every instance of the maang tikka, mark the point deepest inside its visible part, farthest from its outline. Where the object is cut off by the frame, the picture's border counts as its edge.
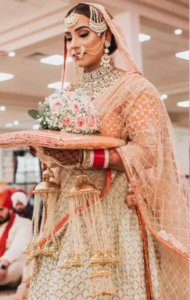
(71, 20)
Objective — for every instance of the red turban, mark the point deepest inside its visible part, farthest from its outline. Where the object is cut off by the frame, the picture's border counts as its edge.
(5, 198)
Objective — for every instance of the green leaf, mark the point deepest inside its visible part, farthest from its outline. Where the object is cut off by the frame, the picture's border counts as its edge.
(42, 109)
(34, 114)
(79, 91)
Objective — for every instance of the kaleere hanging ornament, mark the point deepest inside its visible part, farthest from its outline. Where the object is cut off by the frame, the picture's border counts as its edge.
(101, 283)
(47, 191)
(85, 205)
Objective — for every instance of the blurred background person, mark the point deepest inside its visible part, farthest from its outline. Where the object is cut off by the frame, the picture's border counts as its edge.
(15, 233)
(21, 205)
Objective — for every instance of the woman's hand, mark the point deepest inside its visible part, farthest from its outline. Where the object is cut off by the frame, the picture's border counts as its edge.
(65, 157)
(22, 292)
(115, 161)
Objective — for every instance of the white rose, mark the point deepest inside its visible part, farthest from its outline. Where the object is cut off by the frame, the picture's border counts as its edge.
(56, 104)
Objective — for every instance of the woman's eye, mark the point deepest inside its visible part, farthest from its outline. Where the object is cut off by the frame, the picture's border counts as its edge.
(84, 34)
(68, 39)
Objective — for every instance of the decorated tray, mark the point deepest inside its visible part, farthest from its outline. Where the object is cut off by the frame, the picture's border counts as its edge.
(57, 140)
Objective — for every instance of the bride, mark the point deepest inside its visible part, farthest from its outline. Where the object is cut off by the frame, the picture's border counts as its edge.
(143, 198)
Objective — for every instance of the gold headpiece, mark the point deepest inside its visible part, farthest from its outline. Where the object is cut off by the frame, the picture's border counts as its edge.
(97, 22)
(71, 20)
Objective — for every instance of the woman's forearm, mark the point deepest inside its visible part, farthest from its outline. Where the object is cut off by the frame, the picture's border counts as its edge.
(71, 157)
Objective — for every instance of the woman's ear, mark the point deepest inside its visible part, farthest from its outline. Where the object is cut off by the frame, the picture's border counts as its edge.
(108, 35)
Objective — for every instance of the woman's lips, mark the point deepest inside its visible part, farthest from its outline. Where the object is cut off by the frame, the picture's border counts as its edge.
(75, 57)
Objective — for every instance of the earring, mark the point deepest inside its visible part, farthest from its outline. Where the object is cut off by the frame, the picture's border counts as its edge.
(105, 60)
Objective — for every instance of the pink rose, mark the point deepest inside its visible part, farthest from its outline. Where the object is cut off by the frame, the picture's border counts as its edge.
(66, 121)
(71, 96)
(76, 106)
(91, 121)
(81, 122)
(56, 104)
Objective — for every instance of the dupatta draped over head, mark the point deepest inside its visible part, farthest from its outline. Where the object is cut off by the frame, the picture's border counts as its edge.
(132, 110)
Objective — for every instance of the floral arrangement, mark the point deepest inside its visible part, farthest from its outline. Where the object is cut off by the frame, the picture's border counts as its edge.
(69, 111)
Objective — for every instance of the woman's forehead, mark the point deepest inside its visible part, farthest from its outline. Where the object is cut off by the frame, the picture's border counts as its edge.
(82, 21)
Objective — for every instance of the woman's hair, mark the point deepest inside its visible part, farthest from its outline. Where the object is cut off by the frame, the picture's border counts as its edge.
(84, 9)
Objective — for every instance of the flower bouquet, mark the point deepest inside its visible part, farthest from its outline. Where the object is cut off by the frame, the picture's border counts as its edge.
(68, 111)
(68, 120)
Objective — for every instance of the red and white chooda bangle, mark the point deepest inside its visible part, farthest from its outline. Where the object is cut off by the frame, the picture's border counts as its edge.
(96, 159)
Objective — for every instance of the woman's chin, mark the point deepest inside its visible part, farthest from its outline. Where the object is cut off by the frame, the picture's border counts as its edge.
(82, 63)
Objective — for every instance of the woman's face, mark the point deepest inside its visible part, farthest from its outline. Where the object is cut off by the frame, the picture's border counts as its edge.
(81, 35)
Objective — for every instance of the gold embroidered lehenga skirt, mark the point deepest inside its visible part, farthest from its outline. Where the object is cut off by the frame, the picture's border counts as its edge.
(129, 276)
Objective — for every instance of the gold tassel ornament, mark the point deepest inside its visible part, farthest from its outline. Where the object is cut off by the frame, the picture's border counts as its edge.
(46, 191)
(101, 282)
(85, 207)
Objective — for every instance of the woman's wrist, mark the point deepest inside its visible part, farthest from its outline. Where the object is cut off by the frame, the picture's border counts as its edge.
(112, 158)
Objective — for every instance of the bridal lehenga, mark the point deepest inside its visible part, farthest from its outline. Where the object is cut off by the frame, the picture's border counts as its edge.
(133, 242)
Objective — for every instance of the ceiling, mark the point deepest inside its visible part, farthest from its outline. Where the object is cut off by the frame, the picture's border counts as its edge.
(33, 29)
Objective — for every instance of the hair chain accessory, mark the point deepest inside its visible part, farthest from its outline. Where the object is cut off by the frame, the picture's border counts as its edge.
(71, 20)
(97, 22)
(105, 60)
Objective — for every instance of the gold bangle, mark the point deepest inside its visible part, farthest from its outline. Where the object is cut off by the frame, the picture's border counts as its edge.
(87, 164)
(84, 158)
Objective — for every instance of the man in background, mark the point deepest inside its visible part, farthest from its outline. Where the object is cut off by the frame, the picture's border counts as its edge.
(15, 233)
(21, 205)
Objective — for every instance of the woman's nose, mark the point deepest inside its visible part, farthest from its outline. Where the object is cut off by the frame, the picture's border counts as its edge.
(74, 43)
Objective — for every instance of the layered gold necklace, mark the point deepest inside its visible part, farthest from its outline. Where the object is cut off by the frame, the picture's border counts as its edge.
(96, 82)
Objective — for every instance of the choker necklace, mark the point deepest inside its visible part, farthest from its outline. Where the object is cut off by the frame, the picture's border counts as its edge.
(96, 82)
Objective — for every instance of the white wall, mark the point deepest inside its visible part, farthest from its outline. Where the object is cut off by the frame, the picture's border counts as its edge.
(182, 135)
